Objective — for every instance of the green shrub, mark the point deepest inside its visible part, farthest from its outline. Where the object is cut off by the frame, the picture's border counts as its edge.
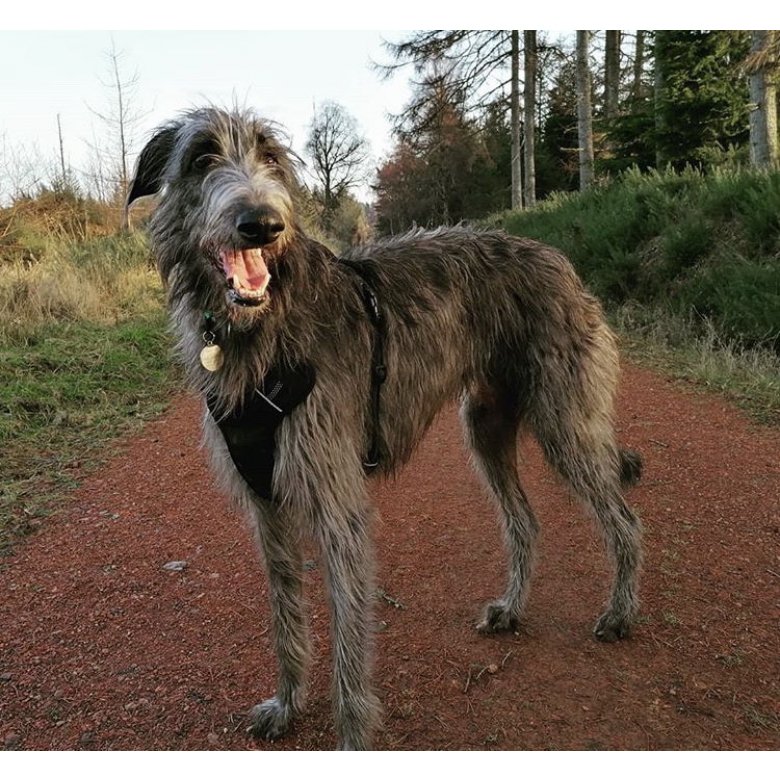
(697, 245)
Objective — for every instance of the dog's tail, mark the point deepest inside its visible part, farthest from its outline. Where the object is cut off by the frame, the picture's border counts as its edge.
(630, 467)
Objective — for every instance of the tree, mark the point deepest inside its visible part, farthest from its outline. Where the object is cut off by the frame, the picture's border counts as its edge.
(584, 110)
(611, 74)
(477, 62)
(446, 166)
(517, 165)
(558, 152)
(762, 67)
(637, 90)
(338, 152)
(121, 119)
(530, 67)
(701, 106)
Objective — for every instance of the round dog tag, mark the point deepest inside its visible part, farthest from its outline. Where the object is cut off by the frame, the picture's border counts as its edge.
(211, 357)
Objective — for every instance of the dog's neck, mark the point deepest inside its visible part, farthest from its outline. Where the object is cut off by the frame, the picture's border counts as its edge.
(278, 335)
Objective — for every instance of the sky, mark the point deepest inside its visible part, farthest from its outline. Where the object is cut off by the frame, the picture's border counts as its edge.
(282, 75)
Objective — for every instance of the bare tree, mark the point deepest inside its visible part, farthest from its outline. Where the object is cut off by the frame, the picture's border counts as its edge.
(23, 171)
(63, 169)
(762, 68)
(529, 116)
(121, 120)
(337, 150)
(584, 110)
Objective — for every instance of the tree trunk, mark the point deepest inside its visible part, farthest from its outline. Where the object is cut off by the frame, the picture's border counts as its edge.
(763, 101)
(125, 213)
(611, 73)
(517, 176)
(584, 111)
(639, 63)
(63, 171)
(529, 123)
(658, 92)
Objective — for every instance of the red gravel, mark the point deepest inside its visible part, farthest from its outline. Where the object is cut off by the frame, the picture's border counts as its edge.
(101, 648)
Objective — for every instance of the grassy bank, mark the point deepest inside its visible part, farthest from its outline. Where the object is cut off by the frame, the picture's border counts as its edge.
(687, 349)
(705, 248)
(689, 267)
(84, 357)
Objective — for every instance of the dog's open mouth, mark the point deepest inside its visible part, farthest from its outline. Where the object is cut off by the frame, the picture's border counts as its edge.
(247, 275)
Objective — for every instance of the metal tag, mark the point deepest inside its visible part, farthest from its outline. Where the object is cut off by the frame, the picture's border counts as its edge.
(211, 357)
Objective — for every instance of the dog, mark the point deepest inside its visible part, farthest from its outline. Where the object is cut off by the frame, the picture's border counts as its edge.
(319, 371)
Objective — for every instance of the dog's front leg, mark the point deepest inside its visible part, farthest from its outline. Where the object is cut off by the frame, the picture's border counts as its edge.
(345, 539)
(280, 544)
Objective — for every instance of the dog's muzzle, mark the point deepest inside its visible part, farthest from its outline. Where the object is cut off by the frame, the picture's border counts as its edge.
(245, 265)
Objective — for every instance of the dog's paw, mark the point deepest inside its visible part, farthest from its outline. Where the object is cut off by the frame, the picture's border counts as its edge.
(497, 618)
(269, 719)
(611, 628)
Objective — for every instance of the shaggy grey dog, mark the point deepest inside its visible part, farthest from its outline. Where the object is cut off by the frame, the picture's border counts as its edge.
(502, 323)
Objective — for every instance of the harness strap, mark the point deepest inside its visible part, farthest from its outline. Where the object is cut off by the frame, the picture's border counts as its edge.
(378, 367)
(250, 429)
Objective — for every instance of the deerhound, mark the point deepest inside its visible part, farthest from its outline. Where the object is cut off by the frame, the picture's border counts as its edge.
(317, 370)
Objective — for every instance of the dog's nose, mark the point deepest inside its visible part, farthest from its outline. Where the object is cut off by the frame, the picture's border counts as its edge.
(260, 226)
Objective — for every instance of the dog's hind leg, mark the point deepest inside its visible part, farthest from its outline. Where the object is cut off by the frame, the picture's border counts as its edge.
(575, 430)
(280, 544)
(344, 536)
(491, 420)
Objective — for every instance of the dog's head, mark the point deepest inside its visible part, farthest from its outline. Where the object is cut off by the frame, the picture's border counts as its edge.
(225, 214)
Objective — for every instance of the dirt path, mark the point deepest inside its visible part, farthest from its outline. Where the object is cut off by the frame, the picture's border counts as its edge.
(102, 648)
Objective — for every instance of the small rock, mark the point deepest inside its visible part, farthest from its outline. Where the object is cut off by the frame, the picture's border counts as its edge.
(492, 669)
(87, 738)
(12, 739)
(212, 738)
(6, 677)
(175, 565)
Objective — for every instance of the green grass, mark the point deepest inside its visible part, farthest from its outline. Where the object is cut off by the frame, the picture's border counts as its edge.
(695, 352)
(63, 394)
(84, 357)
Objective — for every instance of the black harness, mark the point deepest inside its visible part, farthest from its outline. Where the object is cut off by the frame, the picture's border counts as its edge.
(250, 429)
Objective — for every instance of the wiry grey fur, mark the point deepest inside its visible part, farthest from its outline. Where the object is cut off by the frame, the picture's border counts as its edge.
(502, 323)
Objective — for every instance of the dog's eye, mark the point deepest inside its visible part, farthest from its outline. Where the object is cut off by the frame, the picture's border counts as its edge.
(271, 159)
(203, 162)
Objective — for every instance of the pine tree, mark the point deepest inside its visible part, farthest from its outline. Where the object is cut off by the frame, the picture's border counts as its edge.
(701, 102)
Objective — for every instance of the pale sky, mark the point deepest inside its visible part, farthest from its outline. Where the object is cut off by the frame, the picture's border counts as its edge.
(283, 75)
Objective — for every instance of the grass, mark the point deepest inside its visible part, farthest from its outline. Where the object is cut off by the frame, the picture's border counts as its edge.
(102, 280)
(84, 357)
(63, 394)
(687, 349)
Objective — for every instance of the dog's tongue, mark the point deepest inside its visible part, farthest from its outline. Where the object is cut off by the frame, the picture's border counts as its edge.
(245, 270)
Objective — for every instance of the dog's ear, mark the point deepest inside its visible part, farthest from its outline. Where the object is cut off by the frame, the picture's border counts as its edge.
(151, 163)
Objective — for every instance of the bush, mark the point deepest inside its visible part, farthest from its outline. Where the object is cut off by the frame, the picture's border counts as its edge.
(701, 246)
